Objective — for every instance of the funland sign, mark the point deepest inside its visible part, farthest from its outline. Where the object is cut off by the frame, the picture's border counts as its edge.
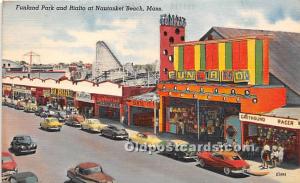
(237, 76)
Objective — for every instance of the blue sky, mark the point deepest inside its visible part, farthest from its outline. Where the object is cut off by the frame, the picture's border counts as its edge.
(66, 36)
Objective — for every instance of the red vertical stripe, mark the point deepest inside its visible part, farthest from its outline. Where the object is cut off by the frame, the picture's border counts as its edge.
(215, 59)
(243, 64)
(189, 63)
(266, 63)
(208, 55)
(235, 55)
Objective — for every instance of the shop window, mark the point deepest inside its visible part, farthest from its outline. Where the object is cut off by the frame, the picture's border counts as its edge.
(182, 38)
(165, 33)
(171, 40)
(177, 31)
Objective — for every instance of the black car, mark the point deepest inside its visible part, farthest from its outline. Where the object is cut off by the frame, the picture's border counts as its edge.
(57, 114)
(40, 110)
(23, 144)
(24, 177)
(114, 132)
(178, 149)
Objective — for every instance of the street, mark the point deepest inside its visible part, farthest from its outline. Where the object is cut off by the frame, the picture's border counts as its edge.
(59, 151)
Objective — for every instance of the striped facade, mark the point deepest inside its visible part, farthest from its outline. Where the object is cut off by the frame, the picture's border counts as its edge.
(249, 54)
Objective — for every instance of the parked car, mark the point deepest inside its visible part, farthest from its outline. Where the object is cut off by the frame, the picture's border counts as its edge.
(24, 177)
(114, 132)
(51, 124)
(56, 114)
(9, 165)
(20, 104)
(23, 144)
(40, 110)
(92, 125)
(75, 120)
(179, 149)
(229, 162)
(30, 107)
(145, 139)
(88, 172)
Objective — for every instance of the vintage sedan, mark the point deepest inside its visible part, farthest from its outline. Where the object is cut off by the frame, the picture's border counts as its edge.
(75, 120)
(24, 177)
(88, 172)
(114, 132)
(92, 125)
(30, 107)
(9, 166)
(229, 162)
(22, 144)
(147, 139)
(51, 124)
(179, 149)
(40, 110)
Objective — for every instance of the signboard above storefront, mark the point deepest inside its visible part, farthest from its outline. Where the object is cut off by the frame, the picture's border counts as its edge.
(238, 76)
(61, 92)
(84, 97)
(21, 89)
(270, 120)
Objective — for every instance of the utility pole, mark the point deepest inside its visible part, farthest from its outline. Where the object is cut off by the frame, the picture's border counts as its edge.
(31, 54)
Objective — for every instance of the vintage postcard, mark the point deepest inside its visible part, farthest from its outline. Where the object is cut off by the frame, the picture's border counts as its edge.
(131, 91)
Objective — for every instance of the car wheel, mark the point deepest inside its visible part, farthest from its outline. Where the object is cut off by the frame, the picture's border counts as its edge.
(201, 163)
(227, 171)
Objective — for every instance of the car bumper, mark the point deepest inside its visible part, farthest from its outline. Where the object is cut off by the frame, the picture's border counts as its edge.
(7, 174)
(122, 136)
(240, 171)
(95, 130)
(27, 150)
(54, 128)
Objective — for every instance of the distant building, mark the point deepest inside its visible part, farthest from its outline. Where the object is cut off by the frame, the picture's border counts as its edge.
(9, 65)
(105, 60)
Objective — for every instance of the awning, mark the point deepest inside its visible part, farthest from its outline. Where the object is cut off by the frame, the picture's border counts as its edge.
(145, 100)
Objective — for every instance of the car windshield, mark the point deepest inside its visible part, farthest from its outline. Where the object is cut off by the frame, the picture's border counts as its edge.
(52, 119)
(92, 170)
(6, 159)
(30, 180)
(25, 139)
(113, 127)
(94, 121)
(235, 158)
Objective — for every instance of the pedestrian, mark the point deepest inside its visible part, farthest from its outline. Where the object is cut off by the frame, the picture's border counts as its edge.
(280, 153)
(266, 155)
(274, 155)
(234, 145)
(252, 149)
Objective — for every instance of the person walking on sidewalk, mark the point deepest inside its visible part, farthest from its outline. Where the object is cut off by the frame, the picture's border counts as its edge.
(274, 155)
(280, 153)
(265, 155)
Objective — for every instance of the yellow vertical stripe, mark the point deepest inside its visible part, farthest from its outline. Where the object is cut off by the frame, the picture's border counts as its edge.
(221, 56)
(197, 57)
(176, 55)
(251, 60)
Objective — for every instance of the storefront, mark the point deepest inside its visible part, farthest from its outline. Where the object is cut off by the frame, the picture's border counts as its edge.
(6, 90)
(85, 104)
(206, 84)
(279, 131)
(21, 92)
(108, 106)
(60, 98)
(141, 109)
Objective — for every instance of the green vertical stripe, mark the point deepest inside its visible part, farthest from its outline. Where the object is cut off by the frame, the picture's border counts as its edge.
(258, 62)
(228, 56)
(202, 57)
(180, 58)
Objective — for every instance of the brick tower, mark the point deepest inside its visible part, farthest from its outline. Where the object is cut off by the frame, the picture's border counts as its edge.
(172, 31)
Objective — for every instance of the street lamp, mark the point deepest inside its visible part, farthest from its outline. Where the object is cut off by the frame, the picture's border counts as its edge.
(155, 123)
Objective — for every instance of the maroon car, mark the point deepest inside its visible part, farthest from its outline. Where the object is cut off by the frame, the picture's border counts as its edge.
(88, 172)
(229, 162)
(9, 166)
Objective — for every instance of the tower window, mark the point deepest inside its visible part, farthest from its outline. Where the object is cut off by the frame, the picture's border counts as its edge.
(182, 38)
(165, 70)
(165, 52)
(165, 33)
(177, 31)
(170, 58)
(171, 40)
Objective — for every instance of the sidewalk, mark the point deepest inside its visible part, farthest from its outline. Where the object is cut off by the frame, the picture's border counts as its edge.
(286, 173)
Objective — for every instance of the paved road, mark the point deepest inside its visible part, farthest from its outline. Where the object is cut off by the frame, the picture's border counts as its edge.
(58, 151)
